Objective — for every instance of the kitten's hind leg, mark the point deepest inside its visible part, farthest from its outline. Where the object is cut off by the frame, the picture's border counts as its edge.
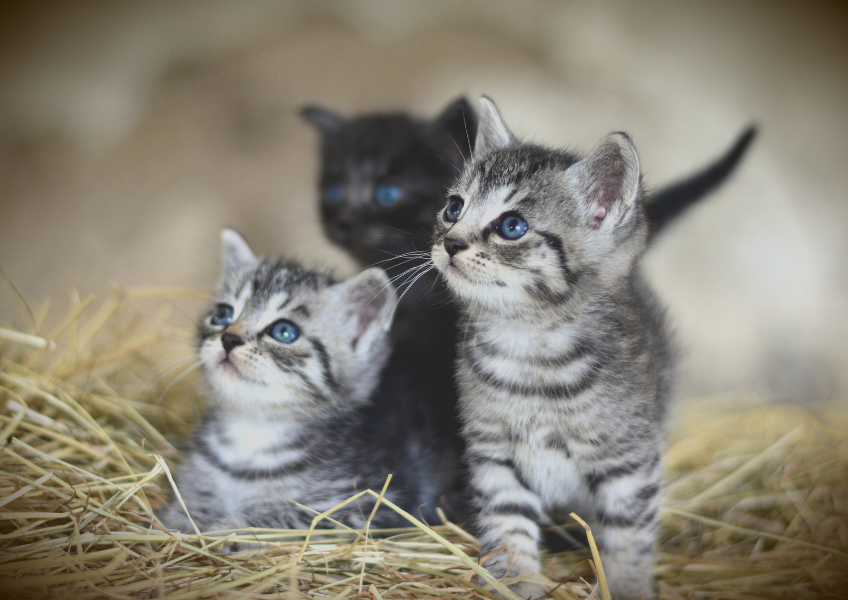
(627, 509)
(507, 519)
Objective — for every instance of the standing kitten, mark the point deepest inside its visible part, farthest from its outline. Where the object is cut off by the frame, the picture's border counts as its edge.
(564, 364)
(292, 363)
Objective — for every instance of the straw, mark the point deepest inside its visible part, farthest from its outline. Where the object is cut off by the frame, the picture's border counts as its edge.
(756, 500)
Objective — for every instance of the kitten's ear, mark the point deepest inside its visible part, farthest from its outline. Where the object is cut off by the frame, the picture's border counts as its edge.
(609, 179)
(370, 302)
(459, 121)
(323, 118)
(237, 254)
(492, 132)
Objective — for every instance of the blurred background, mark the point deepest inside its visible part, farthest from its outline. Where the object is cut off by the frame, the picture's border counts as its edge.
(131, 133)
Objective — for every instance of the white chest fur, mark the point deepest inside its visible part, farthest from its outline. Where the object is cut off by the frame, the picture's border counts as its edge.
(254, 444)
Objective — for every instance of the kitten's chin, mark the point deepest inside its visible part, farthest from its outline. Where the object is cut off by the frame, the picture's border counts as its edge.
(238, 392)
(468, 289)
(229, 369)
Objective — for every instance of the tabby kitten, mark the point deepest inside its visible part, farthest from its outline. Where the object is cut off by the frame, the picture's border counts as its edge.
(292, 367)
(564, 363)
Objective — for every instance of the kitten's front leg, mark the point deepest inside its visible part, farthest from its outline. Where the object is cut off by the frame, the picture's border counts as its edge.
(627, 508)
(507, 518)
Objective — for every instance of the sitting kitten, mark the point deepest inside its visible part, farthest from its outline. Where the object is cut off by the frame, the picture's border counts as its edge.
(292, 363)
(565, 366)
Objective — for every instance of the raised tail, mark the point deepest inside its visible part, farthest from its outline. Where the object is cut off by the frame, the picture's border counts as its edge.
(670, 202)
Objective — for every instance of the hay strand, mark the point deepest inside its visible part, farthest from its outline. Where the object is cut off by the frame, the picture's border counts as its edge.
(596, 557)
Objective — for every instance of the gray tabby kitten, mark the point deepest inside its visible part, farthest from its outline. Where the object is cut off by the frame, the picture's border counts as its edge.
(564, 364)
(291, 364)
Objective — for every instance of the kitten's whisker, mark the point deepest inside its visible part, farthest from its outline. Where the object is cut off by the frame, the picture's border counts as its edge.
(391, 281)
(400, 264)
(432, 287)
(467, 139)
(177, 380)
(165, 371)
(417, 277)
(167, 364)
(403, 231)
(450, 162)
(406, 255)
(410, 270)
(413, 277)
(170, 368)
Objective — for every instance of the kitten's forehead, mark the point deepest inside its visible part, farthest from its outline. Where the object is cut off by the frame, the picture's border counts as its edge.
(514, 165)
(498, 181)
(489, 202)
(272, 285)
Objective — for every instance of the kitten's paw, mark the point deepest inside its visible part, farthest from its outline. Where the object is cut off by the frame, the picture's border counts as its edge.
(528, 590)
(524, 589)
(174, 518)
(630, 593)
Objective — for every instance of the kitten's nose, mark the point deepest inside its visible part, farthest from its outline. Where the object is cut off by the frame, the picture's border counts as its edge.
(230, 341)
(453, 246)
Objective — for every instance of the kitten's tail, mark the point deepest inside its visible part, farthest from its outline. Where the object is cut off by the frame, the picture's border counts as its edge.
(673, 200)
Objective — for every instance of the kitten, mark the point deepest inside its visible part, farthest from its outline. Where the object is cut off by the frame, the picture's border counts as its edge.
(564, 364)
(292, 366)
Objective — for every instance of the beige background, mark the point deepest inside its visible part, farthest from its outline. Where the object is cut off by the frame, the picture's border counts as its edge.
(130, 133)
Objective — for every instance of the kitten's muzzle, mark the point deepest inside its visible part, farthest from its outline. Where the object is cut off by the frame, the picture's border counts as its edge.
(230, 341)
(452, 246)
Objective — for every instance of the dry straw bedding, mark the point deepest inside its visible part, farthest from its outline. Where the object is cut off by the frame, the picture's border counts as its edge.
(756, 506)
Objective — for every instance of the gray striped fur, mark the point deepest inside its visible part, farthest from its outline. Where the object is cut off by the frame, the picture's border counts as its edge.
(564, 365)
(303, 422)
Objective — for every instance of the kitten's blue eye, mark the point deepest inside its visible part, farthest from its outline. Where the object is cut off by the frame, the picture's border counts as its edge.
(223, 315)
(334, 195)
(284, 331)
(387, 195)
(512, 227)
(453, 209)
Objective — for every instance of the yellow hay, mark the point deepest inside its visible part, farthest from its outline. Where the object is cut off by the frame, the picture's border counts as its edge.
(756, 497)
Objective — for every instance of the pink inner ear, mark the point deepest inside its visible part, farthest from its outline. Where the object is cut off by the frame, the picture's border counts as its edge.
(366, 315)
(607, 190)
(600, 213)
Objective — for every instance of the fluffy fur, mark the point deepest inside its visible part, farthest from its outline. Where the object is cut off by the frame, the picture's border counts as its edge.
(564, 364)
(304, 421)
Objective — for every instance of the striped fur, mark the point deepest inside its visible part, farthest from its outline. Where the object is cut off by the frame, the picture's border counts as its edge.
(306, 422)
(564, 366)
